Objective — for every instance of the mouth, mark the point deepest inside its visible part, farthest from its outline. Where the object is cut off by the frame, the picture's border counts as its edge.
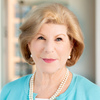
(49, 60)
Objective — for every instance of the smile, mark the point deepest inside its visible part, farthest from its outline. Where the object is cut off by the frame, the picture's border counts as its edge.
(49, 60)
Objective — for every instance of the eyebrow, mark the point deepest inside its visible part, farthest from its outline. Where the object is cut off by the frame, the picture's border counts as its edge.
(61, 34)
(55, 36)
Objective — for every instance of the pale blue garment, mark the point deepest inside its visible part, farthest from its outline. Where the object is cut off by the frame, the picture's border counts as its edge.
(40, 99)
(79, 89)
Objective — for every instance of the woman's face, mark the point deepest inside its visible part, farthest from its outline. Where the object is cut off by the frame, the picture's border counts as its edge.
(50, 48)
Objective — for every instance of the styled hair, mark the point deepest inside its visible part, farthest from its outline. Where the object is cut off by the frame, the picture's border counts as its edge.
(51, 13)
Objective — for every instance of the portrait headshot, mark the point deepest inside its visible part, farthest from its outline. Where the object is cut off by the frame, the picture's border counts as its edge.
(52, 41)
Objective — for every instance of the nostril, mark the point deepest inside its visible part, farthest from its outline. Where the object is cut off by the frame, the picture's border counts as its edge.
(49, 51)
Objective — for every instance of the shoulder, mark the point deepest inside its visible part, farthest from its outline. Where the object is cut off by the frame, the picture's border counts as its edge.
(87, 87)
(85, 82)
(17, 82)
(14, 85)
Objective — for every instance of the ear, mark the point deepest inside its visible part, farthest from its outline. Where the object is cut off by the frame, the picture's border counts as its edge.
(71, 47)
(29, 46)
(72, 44)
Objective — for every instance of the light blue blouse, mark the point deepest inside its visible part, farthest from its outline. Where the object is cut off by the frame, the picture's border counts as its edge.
(80, 89)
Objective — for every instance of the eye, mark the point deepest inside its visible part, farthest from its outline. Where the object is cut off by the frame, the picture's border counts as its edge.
(41, 38)
(59, 39)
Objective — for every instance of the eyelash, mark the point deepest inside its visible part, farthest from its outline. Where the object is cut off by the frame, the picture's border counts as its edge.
(59, 39)
(42, 38)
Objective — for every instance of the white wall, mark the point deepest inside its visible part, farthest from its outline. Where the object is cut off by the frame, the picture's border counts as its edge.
(85, 11)
(98, 42)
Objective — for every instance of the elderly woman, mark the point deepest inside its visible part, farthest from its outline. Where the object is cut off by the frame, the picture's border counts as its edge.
(51, 39)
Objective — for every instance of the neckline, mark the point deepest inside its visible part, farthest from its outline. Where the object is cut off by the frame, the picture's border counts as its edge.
(67, 92)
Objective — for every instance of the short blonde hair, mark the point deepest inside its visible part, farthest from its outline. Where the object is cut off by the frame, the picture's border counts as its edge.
(51, 13)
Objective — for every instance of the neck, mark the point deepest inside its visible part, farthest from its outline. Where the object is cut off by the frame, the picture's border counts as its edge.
(45, 80)
(49, 85)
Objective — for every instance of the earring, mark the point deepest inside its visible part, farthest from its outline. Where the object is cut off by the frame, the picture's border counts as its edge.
(69, 57)
(31, 55)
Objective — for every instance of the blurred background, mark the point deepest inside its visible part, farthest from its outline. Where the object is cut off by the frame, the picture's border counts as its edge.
(12, 14)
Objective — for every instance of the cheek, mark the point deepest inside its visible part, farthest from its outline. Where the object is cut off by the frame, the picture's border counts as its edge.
(34, 46)
(64, 51)
(36, 49)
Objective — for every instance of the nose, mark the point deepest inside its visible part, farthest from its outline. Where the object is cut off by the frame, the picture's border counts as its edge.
(49, 47)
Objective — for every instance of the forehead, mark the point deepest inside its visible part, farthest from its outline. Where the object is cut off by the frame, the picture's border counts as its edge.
(53, 29)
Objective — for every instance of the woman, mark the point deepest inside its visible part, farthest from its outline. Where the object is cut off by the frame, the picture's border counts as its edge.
(51, 39)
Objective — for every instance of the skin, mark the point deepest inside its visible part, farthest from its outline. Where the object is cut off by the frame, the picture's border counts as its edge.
(50, 42)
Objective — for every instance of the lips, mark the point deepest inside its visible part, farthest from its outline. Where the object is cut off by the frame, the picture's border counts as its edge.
(49, 60)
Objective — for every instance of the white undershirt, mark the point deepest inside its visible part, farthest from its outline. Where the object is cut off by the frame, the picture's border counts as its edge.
(40, 99)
